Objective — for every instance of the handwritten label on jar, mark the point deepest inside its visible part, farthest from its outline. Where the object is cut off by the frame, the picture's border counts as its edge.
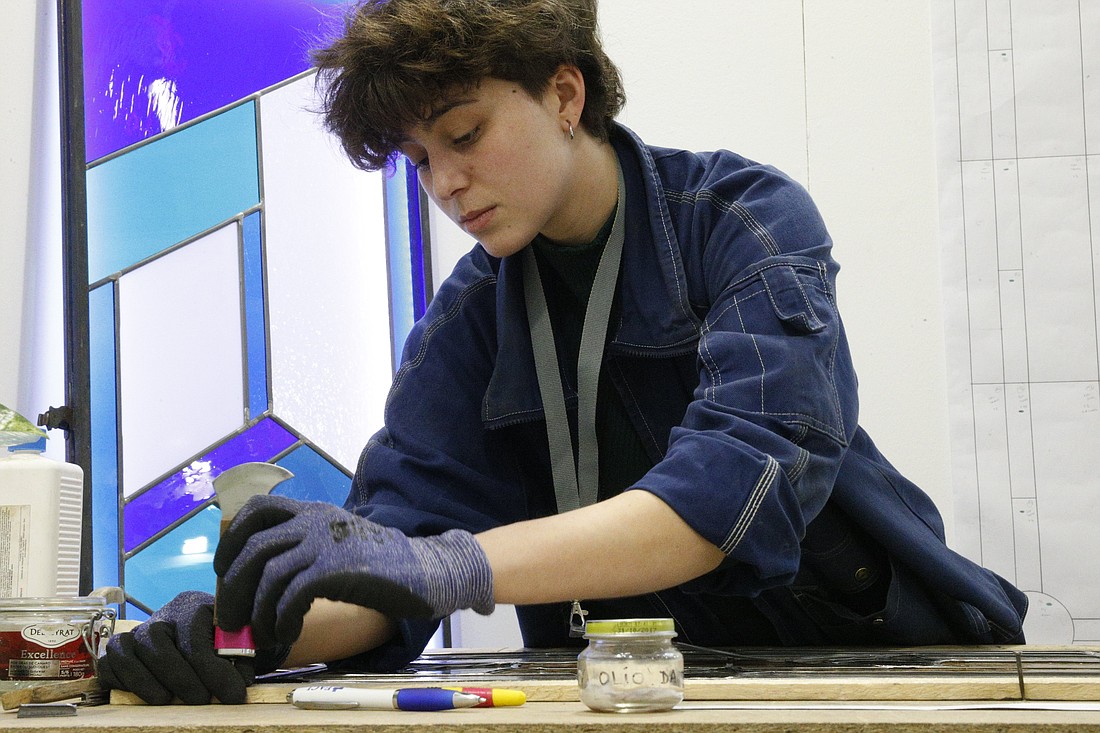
(607, 685)
(633, 674)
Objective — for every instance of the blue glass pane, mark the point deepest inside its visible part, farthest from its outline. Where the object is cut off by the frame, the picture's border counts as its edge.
(396, 196)
(181, 493)
(104, 416)
(420, 294)
(152, 64)
(404, 240)
(171, 189)
(180, 560)
(315, 479)
(255, 328)
(134, 613)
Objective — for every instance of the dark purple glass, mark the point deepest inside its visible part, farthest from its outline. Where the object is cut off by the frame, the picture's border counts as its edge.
(184, 491)
(150, 65)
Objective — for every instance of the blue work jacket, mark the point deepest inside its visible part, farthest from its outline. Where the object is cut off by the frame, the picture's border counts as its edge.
(729, 354)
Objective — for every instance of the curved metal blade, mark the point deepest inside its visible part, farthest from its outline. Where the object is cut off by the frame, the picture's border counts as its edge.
(235, 485)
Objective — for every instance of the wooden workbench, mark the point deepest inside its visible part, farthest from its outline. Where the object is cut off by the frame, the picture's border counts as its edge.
(544, 717)
(761, 690)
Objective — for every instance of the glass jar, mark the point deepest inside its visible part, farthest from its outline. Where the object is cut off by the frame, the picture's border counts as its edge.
(51, 639)
(630, 665)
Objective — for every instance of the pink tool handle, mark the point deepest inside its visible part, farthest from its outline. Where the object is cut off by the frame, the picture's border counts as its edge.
(234, 643)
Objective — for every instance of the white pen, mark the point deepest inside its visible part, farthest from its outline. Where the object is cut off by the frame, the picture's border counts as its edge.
(335, 697)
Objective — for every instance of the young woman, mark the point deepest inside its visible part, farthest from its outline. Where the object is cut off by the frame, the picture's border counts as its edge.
(633, 398)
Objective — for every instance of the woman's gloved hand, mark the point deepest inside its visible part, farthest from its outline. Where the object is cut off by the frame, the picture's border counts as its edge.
(172, 655)
(280, 554)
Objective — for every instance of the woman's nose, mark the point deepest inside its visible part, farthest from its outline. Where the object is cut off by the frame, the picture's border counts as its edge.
(448, 179)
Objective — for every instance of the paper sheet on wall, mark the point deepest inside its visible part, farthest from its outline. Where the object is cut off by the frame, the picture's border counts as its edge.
(1018, 115)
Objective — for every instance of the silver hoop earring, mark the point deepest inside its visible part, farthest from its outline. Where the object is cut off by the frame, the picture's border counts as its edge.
(570, 130)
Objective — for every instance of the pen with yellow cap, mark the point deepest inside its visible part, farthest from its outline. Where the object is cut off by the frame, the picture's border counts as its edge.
(493, 697)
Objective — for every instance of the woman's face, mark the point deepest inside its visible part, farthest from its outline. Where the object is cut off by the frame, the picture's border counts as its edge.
(498, 163)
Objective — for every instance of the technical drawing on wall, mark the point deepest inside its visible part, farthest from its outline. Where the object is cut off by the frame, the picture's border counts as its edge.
(1018, 111)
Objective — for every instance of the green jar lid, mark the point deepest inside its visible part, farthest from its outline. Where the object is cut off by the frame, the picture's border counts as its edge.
(613, 627)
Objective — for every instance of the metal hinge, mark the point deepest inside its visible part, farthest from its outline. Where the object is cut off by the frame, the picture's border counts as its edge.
(57, 417)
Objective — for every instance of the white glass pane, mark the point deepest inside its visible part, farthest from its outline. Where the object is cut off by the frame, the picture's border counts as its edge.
(179, 356)
(328, 298)
(449, 244)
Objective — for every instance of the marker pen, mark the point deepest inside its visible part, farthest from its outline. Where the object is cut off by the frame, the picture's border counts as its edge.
(494, 697)
(333, 697)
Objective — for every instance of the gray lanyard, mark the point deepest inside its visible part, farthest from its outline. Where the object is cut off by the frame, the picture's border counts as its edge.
(575, 484)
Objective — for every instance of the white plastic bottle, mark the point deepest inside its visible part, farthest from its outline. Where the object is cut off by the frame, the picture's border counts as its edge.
(40, 517)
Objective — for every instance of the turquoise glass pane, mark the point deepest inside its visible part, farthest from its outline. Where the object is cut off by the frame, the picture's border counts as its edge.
(180, 560)
(315, 479)
(171, 189)
(254, 315)
(104, 417)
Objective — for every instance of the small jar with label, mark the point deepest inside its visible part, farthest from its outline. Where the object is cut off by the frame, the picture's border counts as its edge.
(51, 639)
(630, 665)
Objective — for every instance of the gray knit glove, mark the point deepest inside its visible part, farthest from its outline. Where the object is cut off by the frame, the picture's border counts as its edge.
(280, 554)
(171, 655)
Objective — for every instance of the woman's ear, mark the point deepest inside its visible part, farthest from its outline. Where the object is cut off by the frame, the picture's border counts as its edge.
(567, 88)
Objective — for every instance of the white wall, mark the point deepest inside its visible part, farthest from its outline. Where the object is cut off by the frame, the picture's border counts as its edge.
(16, 90)
(31, 332)
(838, 95)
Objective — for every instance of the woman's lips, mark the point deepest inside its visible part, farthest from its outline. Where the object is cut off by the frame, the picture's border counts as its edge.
(476, 220)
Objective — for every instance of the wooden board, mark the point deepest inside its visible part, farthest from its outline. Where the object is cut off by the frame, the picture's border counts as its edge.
(835, 689)
(919, 674)
(53, 692)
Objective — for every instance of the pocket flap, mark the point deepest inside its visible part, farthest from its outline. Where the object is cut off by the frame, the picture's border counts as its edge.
(790, 299)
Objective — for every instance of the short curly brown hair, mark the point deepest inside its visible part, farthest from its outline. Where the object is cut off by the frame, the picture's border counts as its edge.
(397, 59)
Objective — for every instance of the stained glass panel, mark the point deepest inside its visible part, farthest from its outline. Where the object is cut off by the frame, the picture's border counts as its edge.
(173, 188)
(315, 478)
(328, 296)
(180, 560)
(180, 356)
(254, 315)
(186, 490)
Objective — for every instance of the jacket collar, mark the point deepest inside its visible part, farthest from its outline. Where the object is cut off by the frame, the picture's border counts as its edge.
(655, 317)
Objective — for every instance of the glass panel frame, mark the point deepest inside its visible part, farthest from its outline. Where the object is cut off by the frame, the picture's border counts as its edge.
(124, 531)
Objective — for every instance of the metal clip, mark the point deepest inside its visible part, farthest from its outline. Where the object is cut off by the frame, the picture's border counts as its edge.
(576, 620)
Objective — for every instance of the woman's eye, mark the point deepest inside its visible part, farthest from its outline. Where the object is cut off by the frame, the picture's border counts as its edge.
(422, 164)
(468, 138)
